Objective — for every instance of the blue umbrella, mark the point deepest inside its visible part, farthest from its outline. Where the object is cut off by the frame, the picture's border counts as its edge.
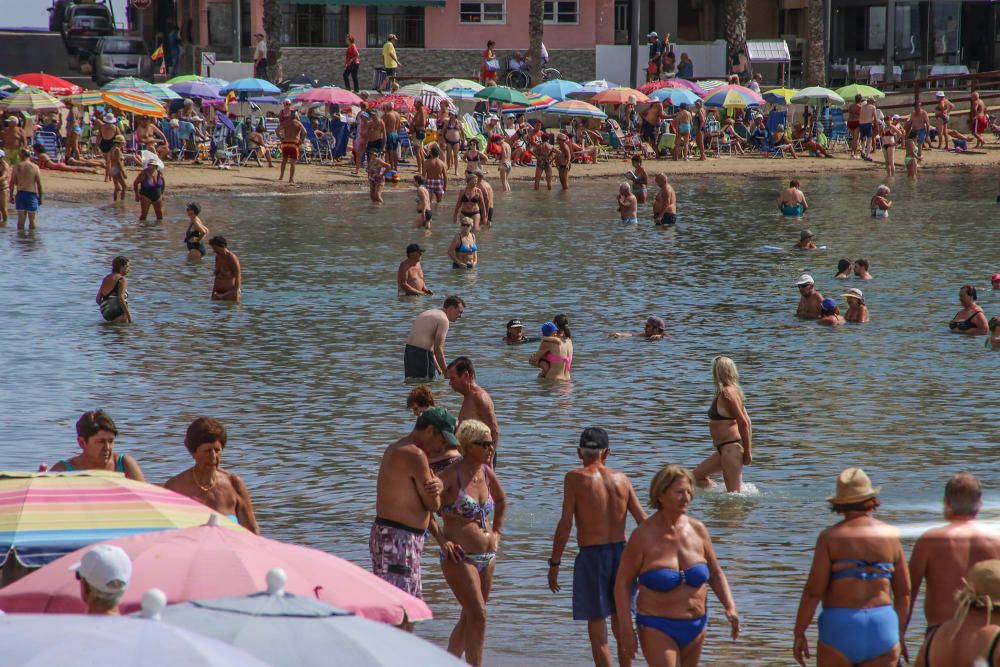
(250, 87)
(557, 88)
(198, 89)
(674, 96)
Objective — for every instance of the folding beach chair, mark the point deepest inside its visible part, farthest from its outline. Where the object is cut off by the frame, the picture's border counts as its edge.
(405, 145)
(174, 142)
(472, 132)
(838, 129)
(50, 142)
(339, 131)
(776, 118)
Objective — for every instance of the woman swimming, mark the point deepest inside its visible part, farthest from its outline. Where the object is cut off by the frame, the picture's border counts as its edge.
(463, 251)
(730, 427)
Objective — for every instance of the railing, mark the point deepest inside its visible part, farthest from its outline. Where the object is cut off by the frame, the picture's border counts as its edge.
(978, 82)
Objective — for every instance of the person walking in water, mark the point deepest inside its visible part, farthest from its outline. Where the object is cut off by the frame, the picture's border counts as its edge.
(228, 274)
(423, 356)
(26, 181)
(112, 296)
(476, 401)
(730, 428)
(598, 499)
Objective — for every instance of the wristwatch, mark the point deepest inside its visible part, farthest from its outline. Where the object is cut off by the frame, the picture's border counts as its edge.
(554, 563)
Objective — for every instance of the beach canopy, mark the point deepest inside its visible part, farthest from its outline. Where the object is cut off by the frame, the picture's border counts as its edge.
(780, 95)
(249, 87)
(196, 89)
(30, 99)
(50, 84)
(536, 102)
(285, 629)
(559, 89)
(817, 95)
(674, 96)
(111, 641)
(211, 561)
(619, 96)
(850, 91)
(503, 94)
(44, 516)
(132, 83)
(576, 108)
(131, 101)
(732, 97)
(328, 95)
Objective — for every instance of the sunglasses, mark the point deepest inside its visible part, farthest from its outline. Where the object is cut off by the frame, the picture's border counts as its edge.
(485, 444)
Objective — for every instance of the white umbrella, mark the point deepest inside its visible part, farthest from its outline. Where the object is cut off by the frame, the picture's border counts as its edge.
(817, 95)
(591, 88)
(32, 640)
(415, 89)
(285, 629)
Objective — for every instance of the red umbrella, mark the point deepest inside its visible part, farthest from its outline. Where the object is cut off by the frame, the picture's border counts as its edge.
(329, 95)
(647, 88)
(399, 102)
(49, 83)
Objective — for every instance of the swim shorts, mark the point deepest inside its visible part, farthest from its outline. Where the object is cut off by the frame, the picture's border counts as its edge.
(26, 201)
(594, 572)
(435, 186)
(666, 219)
(865, 130)
(792, 209)
(375, 146)
(392, 142)
(982, 123)
(648, 130)
(290, 151)
(630, 221)
(395, 550)
(418, 363)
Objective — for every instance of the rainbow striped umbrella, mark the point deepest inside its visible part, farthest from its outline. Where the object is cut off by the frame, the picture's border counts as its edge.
(731, 97)
(536, 102)
(87, 98)
(166, 93)
(699, 88)
(132, 83)
(576, 108)
(44, 516)
(709, 85)
(30, 99)
(131, 101)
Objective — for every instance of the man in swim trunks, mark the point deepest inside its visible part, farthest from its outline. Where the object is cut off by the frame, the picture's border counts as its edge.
(792, 201)
(26, 179)
(423, 356)
(853, 123)
(918, 122)
(436, 171)
(392, 121)
(228, 274)
(598, 499)
(628, 205)
(476, 401)
(866, 127)
(665, 204)
(979, 122)
(375, 133)
(809, 298)
(418, 130)
(487, 191)
(410, 275)
(12, 139)
(683, 120)
(944, 554)
(292, 133)
(407, 494)
(651, 123)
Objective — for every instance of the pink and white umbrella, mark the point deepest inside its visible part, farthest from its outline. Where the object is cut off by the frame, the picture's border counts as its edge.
(329, 95)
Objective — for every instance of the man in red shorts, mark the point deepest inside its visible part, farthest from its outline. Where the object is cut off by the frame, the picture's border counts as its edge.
(853, 123)
(292, 133)
(979, 122)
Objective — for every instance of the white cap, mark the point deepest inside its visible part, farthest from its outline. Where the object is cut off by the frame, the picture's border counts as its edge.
(652, 34)
(805, 279)
(106, 568)
(939, 93)
(109, 118)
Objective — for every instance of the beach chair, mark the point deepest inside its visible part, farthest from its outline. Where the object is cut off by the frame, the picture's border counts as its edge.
(405, 144)
(776, 118)
(838, 129)
(174, 142)
(225, 144)
(50, 142)
(311, 148)
(339, 131)
(472, 132)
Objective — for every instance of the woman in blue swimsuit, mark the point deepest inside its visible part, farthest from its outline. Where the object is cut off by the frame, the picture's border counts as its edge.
(468, 538)
(464, 251)
(859, 574)
(672, 557)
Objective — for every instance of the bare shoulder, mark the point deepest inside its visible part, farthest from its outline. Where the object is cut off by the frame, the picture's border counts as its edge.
(176, 481)
(698, 527)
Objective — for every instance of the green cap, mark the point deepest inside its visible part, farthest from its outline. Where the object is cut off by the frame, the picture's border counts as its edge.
(443, 421)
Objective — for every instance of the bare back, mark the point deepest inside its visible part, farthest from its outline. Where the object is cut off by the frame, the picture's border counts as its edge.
(401, 476)
(600, 504)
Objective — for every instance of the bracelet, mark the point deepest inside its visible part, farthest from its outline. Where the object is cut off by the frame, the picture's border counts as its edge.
(554, 563)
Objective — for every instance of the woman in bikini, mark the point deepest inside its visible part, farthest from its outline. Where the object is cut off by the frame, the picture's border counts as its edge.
(974, 634)
(942, 114)
(468, 538)
(112, 295)
(970, 320)
(116, 166)
(554, 355)
(376, 176)
(506, 164)
(859, 574)
(470, 203)
(452, 139)
(891, 133)
(474, 158)
(672, 557)
(463, 251)
(730, 427)
(197, 232)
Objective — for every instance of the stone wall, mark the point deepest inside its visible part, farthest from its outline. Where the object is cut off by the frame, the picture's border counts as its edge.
(427, 64)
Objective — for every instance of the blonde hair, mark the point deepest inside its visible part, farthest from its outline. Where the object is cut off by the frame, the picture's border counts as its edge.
(663, 481)
(724, 374)
(472, 430)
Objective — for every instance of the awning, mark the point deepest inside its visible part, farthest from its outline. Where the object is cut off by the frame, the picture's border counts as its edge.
(370, 3)
(768, 51)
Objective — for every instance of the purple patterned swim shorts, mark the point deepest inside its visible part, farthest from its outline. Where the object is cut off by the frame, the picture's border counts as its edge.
(395, 549)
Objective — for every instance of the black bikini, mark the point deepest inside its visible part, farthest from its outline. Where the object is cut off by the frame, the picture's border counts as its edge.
(966, 324)
(989, 653)
(193, 240)
(715, 415)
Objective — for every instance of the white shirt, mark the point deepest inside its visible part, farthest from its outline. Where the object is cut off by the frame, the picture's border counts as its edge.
(260, 52)
(754, 86)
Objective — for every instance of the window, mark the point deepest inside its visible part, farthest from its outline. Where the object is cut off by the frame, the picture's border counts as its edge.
(313, 25)
(406, 23)
(623, 14)
(482, 12)
(562, 11)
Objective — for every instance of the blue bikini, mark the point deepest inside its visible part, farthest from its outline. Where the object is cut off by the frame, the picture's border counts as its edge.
(682, 630)
(860, 634)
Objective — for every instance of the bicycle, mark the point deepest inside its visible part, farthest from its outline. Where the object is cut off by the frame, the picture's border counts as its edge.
(549, 73)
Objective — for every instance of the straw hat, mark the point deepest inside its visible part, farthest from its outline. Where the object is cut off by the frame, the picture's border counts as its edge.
(853, 486)
(983, 579)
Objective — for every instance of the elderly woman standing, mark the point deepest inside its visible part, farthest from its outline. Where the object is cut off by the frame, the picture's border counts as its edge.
(730, 427)
(974, 634)
(672, 557)
(970, 320)
(468, 539)
(859, 574)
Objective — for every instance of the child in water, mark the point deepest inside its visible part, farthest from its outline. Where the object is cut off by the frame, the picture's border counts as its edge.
(628, 205)
(424, 214)
(549, 330)
(376, 176)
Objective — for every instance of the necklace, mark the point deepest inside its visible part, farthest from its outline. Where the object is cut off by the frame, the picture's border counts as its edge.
(204, 487)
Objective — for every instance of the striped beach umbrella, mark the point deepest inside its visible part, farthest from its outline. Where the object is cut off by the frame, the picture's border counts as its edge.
(536, 102)
(590, 88)
(696, 88)
(30, 99)
(732, 97)
(132, 83)
(87, 98)
(131, 101)
(462, 93)
(50, 84)
(165, 93)
(575, 108)
(44, 516)
(709, 85)
(9, 83)
(674, 96)
(402, 103)
(448, 84)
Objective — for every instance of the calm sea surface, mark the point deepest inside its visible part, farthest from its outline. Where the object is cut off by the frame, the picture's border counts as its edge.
(307, 371)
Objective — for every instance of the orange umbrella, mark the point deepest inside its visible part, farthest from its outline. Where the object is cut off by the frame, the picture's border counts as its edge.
(619, 96)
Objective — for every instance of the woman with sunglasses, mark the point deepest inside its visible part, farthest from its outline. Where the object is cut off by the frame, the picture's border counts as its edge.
(467, 537)
(463, 250)
(970, 320)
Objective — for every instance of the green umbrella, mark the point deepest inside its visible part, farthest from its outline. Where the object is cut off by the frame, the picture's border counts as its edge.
(184, 78)
(503, 94)
(848, 92)
(8, 82)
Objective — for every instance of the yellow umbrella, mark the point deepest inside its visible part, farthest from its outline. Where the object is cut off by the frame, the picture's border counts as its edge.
(134, 102)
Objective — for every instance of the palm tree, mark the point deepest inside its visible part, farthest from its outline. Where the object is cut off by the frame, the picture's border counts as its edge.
(273, 29)
(736, 26)
(814, 71)
(536, 25)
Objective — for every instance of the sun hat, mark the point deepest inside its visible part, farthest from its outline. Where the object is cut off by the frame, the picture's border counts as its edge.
(805, 279)
(11, 119)
(515, 323)
(805, 234)
(853, 486)
(443, 421)
(413, 247)
(549, 328)
(828, 304)
(656, 322)
(105, 568)
(593, 438)
(853, 293)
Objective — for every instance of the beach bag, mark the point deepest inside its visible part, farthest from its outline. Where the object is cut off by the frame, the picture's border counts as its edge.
(492, 65)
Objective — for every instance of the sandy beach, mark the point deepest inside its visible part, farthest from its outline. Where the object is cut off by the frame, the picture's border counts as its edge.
(197, 180)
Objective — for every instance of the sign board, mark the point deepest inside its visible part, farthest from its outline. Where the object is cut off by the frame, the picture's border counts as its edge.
(208, 58)
(141, 4)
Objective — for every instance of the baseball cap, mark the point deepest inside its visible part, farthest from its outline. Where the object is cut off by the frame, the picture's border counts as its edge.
(413, 247)
(805, 279)
(549, 328)
(515, 323)
(443, 421)
(594, 438)
(828, 304)
(106, 568)
(656, 322)
(652, 34)
(939, 93)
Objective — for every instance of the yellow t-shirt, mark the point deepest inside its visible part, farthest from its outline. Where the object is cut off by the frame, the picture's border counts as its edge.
(389, 56)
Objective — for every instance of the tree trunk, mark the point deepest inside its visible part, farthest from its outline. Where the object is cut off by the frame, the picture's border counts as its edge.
(814, 71)
(536, 25)
(736, 26)
(272, 28)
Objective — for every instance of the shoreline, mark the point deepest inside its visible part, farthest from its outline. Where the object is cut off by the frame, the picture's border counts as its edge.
(197, 180)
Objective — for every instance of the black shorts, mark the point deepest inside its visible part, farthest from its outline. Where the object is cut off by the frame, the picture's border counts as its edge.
(666, 219)
(648, 131)
(418, 363)
(390, 72)
(375, 146)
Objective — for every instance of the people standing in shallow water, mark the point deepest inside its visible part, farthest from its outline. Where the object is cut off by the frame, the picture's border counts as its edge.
(970, 320)
(471, 203)
(410, 274)
(194, 237)
(843, 269)
(861, 267)
(598, 499)
(228, 273)
(829, 314)
(792, 201)
(665, 204)
(419, 399)
(112, 295)
(515, 333)
(859, 574)
(424, 212)
(148, 187)
(555, 352)
(972, 637)
(463, 251)
(654, 329)
(880, 203)
(672, 557)
(628, 205)
(857, 311)
(639, 179)
(730, 427)
(206, 481)
(809, 298)
(96, 434)
(423, 355)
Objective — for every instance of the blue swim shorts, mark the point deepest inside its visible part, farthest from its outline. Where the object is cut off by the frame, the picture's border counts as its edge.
(594, 572)
(26, 201)
(392, 141)
(630, 221)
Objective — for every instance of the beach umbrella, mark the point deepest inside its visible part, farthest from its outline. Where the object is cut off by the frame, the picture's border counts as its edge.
(111, 641)
(850, 91)
(648, 88)
(590, 88)
(165, 92)
(196, 89)
(503, 94)
(732, 97)
(7, 83)
(50, 84)
(250, 87)
(619, 96)
(577, 108)
(184, 78)
(536, 102)
(780, 95)
(817, 95)
(214, 81)
(30, 99)
(462, 93)
(674, 96)
(131, 101)
(298, 82)
(417, 89)
(559, 89)
(44, 516)
(285, 629)
(210, 561)
(696, 88)
(449, 84)
(329, 95)
(132, 83)
(87, 98)
(402, 103)
(294, 92)
(710, 84)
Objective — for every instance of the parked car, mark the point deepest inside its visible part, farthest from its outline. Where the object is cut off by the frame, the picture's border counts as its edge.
(85, 24)
(57, 14)
(121, 56)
